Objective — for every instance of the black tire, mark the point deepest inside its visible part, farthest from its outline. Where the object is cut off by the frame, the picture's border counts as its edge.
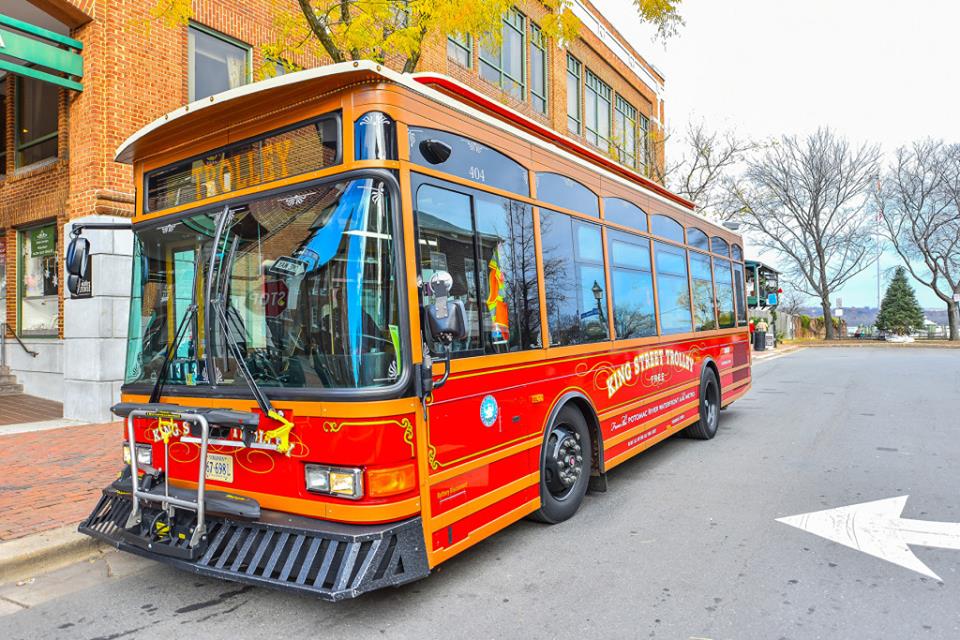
(565, 460)
(706, 427)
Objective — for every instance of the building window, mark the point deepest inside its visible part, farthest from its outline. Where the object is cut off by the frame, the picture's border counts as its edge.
(574, 117)
(460, 50)
(504, 66)
(39, 281)
(538, 69)
(282, 66)
(573, 280)
(217, 62)
(37, 108)
(596, 110)
(644, 143)
(625, 129)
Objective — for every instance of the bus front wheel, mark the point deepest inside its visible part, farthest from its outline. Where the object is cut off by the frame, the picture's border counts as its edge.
(706, 427)
(565, 459)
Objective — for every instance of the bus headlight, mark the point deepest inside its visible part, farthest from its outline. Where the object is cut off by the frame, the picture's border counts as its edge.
(345, 482)
(144, 454)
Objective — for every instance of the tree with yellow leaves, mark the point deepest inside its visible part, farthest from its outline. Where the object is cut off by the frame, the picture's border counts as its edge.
(380, 29)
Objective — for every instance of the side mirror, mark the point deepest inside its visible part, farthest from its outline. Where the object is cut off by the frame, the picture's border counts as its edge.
(78, 252)
(447, 319)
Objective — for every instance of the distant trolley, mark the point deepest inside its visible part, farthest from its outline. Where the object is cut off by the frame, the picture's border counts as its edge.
(376, 318)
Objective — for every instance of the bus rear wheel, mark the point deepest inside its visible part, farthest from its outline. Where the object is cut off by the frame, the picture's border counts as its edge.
(565, 459)
(706, 427)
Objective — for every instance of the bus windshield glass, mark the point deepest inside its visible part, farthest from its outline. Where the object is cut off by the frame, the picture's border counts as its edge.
(303, 286)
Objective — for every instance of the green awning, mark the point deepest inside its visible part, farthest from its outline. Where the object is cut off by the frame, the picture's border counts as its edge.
(32, 51)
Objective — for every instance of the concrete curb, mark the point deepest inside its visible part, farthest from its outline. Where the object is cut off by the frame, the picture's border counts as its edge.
(41, 552)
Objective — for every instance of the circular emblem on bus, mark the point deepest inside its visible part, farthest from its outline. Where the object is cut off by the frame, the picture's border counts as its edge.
(489, 411)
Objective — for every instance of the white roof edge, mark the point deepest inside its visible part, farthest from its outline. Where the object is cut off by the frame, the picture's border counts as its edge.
(409, 81)
(248, 89)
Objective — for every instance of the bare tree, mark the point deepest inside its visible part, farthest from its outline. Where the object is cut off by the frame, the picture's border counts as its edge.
(919, 200)
(704, 162)
(807, 200)
(791, 300)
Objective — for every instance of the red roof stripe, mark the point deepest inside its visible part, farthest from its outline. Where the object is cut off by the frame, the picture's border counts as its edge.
(469, 95)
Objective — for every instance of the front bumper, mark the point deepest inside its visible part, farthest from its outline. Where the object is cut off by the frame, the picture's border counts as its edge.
(327, 559)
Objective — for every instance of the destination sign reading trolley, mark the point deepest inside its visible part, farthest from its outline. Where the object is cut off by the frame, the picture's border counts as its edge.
(378, 317)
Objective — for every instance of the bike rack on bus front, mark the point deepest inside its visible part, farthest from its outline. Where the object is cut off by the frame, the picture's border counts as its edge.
(167, 501)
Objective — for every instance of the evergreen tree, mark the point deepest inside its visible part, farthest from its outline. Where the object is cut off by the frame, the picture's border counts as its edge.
(900, 312)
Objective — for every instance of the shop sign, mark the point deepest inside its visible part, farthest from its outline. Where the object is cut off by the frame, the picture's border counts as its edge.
(43, 241)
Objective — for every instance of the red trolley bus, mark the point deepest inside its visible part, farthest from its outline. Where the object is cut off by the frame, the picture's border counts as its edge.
(376, 318)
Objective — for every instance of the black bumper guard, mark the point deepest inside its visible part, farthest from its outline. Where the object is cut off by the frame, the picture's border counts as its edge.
(327, 559)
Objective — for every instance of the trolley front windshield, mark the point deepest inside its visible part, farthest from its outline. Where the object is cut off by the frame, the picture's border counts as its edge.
(302, 284)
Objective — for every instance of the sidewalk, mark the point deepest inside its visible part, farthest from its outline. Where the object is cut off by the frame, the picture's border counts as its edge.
(50, 479)
(781, 350)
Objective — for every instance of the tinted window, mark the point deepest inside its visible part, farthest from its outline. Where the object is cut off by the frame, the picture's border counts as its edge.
(469, 159)
(489, 252)
(569, 194)
(701, 279)
(445, 242)
(673, 292)
(720, 246)
(737, 253)
(375, 137)
(37, 120)
(721, 271)
(698, 239)
(738, 292)
(632, 284)
(666, 227)
(626, 213)
(573, 280)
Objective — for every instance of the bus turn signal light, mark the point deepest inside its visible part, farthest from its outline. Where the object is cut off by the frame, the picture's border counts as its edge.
(391, 481)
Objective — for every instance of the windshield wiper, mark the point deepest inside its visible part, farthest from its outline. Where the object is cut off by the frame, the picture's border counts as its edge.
(281, 433)
(181, 332)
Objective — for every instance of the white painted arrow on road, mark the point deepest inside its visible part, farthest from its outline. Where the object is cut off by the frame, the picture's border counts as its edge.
(877, 528)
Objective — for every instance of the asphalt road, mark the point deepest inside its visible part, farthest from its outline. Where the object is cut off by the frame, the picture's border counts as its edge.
(683, 545)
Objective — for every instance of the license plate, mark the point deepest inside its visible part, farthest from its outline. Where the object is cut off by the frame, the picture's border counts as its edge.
(219, 467)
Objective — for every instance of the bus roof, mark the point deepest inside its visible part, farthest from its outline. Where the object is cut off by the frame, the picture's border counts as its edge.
(248, 102)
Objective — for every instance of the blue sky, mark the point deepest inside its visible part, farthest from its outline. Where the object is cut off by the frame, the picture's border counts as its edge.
(881, 72)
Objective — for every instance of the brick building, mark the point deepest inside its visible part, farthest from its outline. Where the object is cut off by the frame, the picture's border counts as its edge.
(60, 125)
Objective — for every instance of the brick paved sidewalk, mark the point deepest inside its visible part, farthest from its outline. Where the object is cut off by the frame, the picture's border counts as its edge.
(53, 478)
(18, 408)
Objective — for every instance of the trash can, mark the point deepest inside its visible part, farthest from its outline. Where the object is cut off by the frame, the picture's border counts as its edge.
(760, 341)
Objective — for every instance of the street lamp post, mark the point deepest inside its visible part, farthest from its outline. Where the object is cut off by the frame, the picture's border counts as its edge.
(598, 294)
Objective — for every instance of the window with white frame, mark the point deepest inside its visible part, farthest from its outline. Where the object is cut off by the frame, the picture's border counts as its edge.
(644, 136)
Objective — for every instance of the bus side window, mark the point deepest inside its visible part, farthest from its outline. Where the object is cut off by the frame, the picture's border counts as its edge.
(632, 281)
(724, 280)
(701, 279)
(445, 243)
(673, 294)
(573, 279)
(509, 297)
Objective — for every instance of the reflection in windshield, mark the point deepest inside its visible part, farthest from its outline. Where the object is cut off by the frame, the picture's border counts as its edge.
(305, 280)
